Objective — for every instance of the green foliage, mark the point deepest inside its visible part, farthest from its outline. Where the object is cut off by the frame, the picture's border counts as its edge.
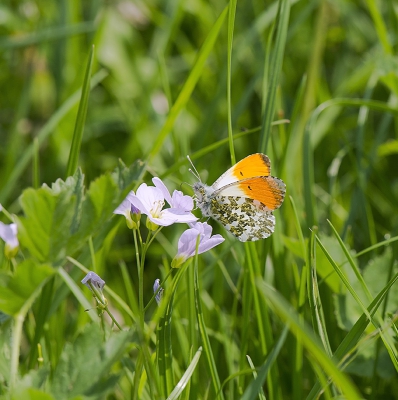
(313, 308)
(84, 366)
(64, 216)
(17, 290)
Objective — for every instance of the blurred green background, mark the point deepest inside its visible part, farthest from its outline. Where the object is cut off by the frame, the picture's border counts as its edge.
(338, 153)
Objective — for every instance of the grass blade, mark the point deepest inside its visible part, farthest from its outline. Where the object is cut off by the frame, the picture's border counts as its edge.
(231, 24)
(254, 388)
(186, 377)
(215, 380)
(387, 340)
(274, 73)
(261, 394)
(353, 336)
(189, 85)
(80, 119)
(310, 342)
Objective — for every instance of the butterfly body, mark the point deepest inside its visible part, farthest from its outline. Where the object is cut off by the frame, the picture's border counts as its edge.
(243, 198)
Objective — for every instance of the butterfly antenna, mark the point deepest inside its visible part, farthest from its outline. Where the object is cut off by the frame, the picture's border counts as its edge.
(193, 170)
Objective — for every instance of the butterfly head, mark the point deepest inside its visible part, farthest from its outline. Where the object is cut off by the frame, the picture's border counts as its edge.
(203, 197)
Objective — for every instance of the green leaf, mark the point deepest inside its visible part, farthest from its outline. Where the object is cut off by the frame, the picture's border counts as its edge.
(35, 378)
(19, 291)
(5, 352)
(31, 394)
(57, 221)
(123, 176)
(49, 213)
(376, 274)
(100, 201)
(323, 266)
(353, 336)
(85, 363)
(388, 148)
(16, 290)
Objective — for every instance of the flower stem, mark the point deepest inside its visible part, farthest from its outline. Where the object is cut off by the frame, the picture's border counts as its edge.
(16, 342)
(160, 287)
(113, 318)
(144, 249)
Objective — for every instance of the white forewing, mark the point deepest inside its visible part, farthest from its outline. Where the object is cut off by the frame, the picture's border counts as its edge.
(225, 179)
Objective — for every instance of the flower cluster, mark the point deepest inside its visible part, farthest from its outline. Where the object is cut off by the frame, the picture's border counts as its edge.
(150, 200)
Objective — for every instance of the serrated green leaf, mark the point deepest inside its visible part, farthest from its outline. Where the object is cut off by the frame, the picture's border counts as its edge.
(57, 221)
(84, 363)
(124, 176)
(100, 201)
(35, 378)
(16, 291)
(49, 213)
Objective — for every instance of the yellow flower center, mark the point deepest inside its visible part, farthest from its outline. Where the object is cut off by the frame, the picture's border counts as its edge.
(157, 208)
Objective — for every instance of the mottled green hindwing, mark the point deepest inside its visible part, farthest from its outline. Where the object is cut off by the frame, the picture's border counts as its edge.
(245, 218)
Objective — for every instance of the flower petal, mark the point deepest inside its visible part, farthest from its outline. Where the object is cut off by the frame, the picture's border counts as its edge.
(137, 203)
(124, 208)
(162, 187)
(181, 201)
(94, 279)
(9, 234)
(168, 217)
(180, 215)
(159, 293)
(149, 196)
(210, 243)
(187, 243)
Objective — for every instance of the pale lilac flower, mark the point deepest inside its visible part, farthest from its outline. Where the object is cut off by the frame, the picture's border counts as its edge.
(187, 242)
(95, 284)
(178, 201)
(159, 293)
(150, 201)
(125, 207)
(131, 213)
(94, 279)
(9, 234)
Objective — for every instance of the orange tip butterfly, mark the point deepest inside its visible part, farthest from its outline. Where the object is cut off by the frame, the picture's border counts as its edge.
(243, 198)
